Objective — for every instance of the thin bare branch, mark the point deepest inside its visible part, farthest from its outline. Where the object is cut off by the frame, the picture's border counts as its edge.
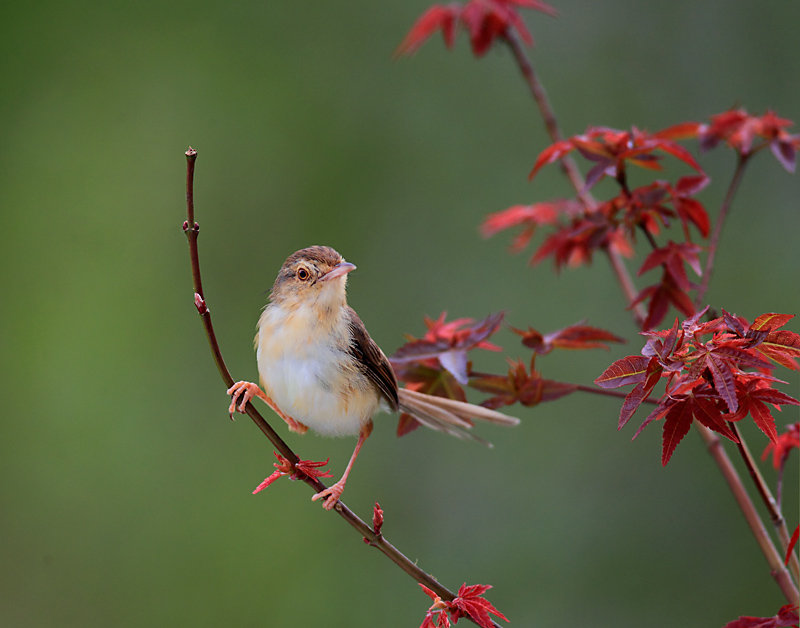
(192, 230)
(777, 569)
(724, 209)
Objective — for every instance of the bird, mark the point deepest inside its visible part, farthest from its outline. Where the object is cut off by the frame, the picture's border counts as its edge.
(320, 369)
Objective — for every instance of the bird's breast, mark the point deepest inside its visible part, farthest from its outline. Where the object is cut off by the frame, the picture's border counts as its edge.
(306, 368)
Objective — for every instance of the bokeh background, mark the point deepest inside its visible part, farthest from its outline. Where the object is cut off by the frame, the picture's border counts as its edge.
(124, 488)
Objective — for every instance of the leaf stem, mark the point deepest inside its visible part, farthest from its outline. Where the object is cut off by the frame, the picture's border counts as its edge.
(390, 551)
(777, 570)
(724, 210)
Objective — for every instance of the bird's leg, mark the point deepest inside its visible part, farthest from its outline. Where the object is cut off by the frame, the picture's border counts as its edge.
(248, 390)
(332, 493)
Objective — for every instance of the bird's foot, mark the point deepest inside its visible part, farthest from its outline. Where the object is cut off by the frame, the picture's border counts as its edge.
(248, 390)
(331, 495)
(245, 390)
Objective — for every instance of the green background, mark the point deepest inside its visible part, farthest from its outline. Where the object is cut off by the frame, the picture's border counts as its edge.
(124, 488)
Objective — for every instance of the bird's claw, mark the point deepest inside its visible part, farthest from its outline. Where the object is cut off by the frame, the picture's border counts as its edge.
(245, 390)
(331, 495)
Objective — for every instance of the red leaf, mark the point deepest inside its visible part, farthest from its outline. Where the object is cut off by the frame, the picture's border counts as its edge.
(536, 214)
(676, 426)
(640, 392)
(783, 347)
(551, 154)
(724, 381)
(435, 18)
(783, 445)
(629, 370)
(470, 602)
(682, 131)
(572, 337)
(763, 418)
(377, 519)
(771, 321)
(787, 616)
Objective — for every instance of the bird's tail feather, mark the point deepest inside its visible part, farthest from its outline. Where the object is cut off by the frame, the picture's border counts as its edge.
(448, 415)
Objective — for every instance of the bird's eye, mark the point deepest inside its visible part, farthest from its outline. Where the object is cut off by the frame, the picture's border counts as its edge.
(303, 274)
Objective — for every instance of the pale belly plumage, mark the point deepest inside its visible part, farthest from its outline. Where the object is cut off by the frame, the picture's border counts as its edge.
(307, 371)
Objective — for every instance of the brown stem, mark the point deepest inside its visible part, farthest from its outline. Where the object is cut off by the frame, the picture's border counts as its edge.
(569, 167)
(548, 115)
(773, 508)
(777, 570)
(724, 209)
(375, 540)
(608, 393)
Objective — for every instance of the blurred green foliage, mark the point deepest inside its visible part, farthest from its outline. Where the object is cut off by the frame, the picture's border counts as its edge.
(125, 496)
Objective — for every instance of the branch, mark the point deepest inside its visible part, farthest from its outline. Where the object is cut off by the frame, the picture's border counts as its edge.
(777, 570)
(724, 209)
(569, 167)
(773, 508)
(373, 539)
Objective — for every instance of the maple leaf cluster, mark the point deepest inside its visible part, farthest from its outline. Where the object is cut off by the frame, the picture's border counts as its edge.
(484, 20)
(706, 380)
(438, 363)
(580, 227)
(745, 133)
(468, 603)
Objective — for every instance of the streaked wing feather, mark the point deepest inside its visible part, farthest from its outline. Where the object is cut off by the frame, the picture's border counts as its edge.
(371, 359)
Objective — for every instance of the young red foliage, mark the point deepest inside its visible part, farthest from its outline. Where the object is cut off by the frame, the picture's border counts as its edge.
(572, 337)
(448, 344)
(706, 380)
(782, 446)
(437, 363)
(787, 616)
(611, 150)
(740, 130)
(519, 386)
(303, 467)
(661, 295)
(484, 20)
(469, 602)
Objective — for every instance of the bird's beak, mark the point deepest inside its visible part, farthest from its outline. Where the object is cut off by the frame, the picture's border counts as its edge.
(338, 271)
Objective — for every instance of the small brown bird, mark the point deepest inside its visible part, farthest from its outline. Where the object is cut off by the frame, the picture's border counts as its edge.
(321, 370)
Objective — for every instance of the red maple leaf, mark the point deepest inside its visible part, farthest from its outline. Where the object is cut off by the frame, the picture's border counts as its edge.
(661, 295)
(782, 446)
(779, 345)
(572, 337)
(529, 217)
(611, 150)
(519, 386)
(448, 343)
(706, 380)
(740, 130)
(469, 602)
(575, 243)
(673, 257)
(484, 21)
(753, 394)
(787, 616)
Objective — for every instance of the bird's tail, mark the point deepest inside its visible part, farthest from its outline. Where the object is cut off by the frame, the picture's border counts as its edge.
(448, 415)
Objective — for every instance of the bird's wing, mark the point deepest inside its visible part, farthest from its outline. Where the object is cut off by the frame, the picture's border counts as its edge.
(371, 359)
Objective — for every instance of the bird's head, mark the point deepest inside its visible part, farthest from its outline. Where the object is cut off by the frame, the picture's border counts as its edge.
(316, 275)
